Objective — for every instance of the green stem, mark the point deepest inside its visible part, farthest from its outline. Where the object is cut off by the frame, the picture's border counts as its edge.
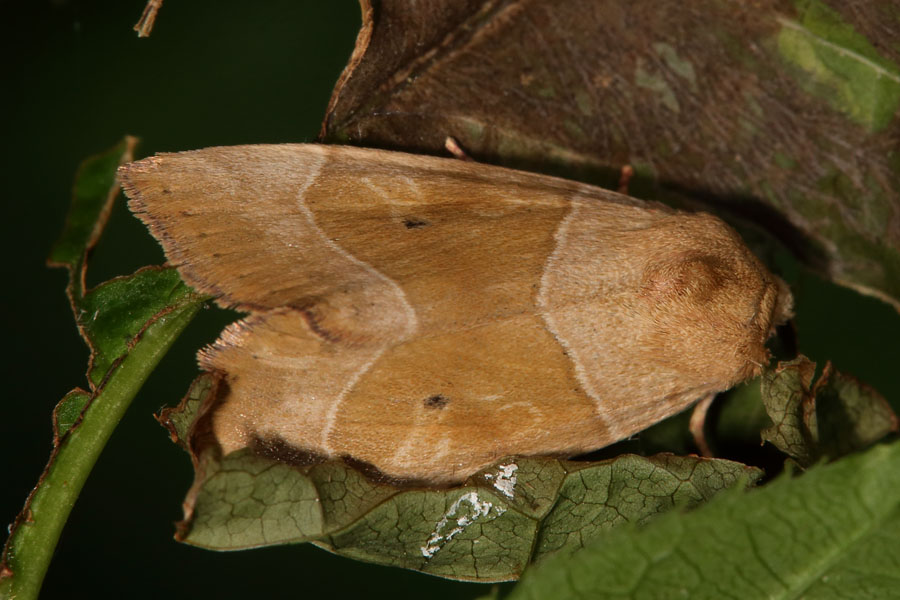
(31, 544)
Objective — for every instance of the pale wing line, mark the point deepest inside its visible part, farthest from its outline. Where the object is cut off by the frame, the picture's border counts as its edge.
(367, 181)
(437, 451)
(410, 326)
(553, 267)
(331, 415)
(385, 192)
(404, 453)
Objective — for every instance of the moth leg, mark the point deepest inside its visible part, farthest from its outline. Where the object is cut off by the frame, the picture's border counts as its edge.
(698, 424)
(456, 150)
(625, 175)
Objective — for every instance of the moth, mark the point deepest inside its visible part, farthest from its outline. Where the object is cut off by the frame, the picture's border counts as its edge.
(429, 316)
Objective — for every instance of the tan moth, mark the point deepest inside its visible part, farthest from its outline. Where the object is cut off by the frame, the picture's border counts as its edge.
(430, 316)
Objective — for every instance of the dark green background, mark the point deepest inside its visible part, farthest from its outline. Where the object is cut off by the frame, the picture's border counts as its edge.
(76, 79)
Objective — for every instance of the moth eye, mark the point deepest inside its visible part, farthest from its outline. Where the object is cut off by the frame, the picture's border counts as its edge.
(437, 401)
(697, 277)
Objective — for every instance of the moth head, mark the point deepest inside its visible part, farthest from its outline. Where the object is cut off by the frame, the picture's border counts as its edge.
(710, 303)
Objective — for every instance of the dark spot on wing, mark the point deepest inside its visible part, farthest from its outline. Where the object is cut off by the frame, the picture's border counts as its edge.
(436, 401)
(413, 223)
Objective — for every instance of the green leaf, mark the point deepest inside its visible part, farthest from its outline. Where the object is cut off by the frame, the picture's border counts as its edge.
(178, 420)
(492, 594)
(129, 324)
(836, 416)
(840, 65)
(669, 435)
(111, 315)
(785, 391)
(68, 411)
(488, 529)
(850, 415)
(92, 197)
(832, 533)
(742, 414)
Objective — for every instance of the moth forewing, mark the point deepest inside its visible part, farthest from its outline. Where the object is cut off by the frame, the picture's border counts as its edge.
(547, 317)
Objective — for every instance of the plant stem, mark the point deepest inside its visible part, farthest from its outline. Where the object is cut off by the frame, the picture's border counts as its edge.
(31, 544)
